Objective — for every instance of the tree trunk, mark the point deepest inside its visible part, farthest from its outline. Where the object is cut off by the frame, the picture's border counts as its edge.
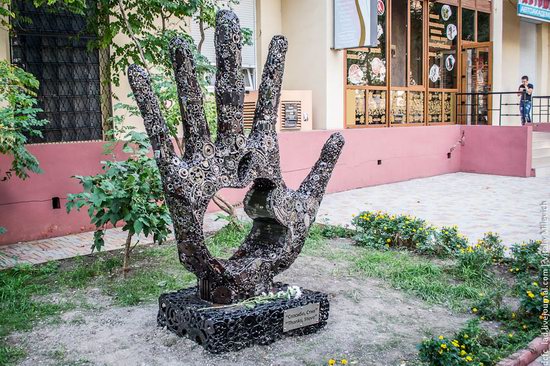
(229, 209)
(127, 250)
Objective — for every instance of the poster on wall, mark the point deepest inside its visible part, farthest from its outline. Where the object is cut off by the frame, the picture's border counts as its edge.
(539, 11)
(355, 23)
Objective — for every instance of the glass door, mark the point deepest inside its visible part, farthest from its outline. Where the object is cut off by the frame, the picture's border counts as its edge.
(475, 106)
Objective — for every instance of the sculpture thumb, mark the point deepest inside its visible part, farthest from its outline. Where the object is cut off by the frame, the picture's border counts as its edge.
(316, 182)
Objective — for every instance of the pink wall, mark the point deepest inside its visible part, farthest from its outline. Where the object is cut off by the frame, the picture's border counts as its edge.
(500, 150)
(405, 153)
(541, 127)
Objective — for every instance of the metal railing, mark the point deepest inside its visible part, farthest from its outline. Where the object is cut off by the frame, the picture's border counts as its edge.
(489, 107)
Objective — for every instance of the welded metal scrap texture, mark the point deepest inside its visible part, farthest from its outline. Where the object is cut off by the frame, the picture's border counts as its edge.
(281, 216)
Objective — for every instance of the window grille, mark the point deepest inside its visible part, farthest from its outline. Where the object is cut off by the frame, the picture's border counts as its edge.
(51, 44)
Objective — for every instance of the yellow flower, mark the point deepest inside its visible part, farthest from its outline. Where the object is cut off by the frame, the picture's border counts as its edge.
(444, 346)
(440, 337)
(474, 310)
(469, 358)
(344, 362)
(455, 343)
(462, 353)
(535, 284)
(513, 315)
(352, 215)
(331, 362)
(530, 294)
(482, 318)
(388, 240)
(510, 335)
(463, 346)
(546, 301)
(466, 336)
(524, 326)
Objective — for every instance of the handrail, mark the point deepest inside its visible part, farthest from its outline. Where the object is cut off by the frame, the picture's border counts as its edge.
(479, 107)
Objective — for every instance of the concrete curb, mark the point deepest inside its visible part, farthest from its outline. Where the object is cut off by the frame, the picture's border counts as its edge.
(525, 357)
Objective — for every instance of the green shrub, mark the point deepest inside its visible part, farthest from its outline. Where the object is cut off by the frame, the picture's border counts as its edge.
(473, 263)
(128, 192)
(526, 257)
(533, 297)
(381, 230)
(463, 349)
(491, 307)
(450, 241)
(474, 345)
(492, 243)
(332, 232)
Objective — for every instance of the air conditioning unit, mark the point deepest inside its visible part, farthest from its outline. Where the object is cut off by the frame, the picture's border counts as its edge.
(295, 110)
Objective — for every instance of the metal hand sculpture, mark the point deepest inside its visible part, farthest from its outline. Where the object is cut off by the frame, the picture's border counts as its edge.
(281, 216)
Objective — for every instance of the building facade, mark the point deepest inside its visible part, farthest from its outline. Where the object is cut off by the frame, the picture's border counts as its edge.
(429, 55)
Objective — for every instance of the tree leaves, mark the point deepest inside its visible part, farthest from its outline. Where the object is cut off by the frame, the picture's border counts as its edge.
(18, 119)
(128, 191)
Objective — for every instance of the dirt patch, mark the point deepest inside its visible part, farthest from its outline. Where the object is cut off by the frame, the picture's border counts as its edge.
(369, 324)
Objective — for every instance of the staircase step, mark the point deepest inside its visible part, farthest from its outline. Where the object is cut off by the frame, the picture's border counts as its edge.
(543, 171)
(541, 136)
(540, 152)
(541, 162)
(539, 144)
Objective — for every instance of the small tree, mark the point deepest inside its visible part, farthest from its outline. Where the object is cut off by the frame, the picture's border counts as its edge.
(128, 191)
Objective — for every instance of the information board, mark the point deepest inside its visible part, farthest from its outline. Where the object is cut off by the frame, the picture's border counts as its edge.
(355, 23)
(538, 10)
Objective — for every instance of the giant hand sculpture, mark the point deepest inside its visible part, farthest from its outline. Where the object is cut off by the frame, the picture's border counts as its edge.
(281, 216)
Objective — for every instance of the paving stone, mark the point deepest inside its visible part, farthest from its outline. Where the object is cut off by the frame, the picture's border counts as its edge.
(477, 203)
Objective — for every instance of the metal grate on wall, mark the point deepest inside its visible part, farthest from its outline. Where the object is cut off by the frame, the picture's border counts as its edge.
(51, 44)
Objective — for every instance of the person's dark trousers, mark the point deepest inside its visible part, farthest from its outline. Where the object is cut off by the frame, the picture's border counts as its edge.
(525, 111)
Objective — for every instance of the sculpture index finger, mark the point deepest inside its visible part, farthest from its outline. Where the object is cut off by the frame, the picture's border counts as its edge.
(152, 118)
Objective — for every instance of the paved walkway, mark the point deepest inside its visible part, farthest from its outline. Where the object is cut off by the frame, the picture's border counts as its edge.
(476, 203)
(45, 250)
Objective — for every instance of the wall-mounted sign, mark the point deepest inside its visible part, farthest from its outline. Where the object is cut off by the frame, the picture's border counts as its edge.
(355, 23)
(538, 10)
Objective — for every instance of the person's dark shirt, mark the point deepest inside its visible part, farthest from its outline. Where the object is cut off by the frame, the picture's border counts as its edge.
(526, 95)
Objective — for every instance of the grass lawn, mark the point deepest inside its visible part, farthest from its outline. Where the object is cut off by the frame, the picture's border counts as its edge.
(41, 294)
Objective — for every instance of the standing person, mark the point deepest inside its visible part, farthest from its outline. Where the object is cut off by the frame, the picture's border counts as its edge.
(525, 90)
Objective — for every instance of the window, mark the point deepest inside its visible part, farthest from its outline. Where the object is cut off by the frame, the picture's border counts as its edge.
(417, 42)
(483, 27)
(443, 43)
(399, 43)
(45, 44)
(468, 25)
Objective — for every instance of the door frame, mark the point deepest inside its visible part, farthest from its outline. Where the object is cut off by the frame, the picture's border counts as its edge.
(476, 46)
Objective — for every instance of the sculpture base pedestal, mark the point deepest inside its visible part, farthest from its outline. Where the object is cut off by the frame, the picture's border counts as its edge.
(223, 329)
